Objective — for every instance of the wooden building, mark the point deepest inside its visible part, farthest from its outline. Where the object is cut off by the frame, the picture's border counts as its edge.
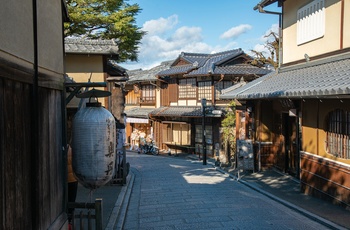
(178, 122)
(32, 131)
(300, 115)
(142, 97)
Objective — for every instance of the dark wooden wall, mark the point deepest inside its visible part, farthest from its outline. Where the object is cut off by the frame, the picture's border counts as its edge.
(325, 179)
(32, 183)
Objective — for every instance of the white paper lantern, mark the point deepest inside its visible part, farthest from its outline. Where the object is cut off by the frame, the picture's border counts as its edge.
(93, 145)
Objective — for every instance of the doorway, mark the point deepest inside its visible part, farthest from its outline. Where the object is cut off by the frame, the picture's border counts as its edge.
(291, 152)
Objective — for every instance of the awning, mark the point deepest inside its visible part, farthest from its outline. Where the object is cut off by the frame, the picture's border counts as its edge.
(136, 120)
(324, 78)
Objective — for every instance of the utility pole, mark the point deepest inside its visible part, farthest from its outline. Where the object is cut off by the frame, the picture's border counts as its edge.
(204, 104)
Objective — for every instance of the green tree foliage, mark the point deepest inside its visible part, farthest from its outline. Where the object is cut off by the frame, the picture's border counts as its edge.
(106, 19)
(229, 128)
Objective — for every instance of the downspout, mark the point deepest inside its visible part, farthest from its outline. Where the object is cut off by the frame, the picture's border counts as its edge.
(35, 123)
(342, 25)
(261, 10)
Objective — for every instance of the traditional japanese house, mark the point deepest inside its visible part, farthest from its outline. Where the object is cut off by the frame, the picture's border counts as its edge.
(183, 115)
(142, 97)
(33, 174)
(300, 115)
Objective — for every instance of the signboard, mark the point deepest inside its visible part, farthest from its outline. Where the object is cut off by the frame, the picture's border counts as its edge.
(136, 120)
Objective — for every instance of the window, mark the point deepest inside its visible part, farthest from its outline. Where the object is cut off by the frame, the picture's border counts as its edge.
(338, 134)
(148, 94)
(310, 22)
(208, 137)
(187, 88)
(204, 90)
(219, 86)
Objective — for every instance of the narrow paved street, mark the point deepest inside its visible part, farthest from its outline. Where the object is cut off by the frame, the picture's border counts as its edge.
(178, 193)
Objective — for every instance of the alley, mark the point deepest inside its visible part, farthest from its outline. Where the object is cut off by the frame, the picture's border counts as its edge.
(177, 193)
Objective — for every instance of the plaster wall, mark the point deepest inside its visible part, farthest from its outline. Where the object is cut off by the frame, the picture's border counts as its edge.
(17, 40)
(331, 41)
(314, 125)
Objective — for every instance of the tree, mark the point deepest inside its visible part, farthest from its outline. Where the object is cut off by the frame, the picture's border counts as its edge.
(106, 19)
(273, 47)
(229, 131)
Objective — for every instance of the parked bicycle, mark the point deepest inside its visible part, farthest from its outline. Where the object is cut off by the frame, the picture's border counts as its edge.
(148, 147)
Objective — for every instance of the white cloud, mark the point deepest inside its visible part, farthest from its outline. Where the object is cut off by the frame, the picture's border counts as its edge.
(274, 28)
(157, 46)
(160, 25)
(165, 41)
(234, 32)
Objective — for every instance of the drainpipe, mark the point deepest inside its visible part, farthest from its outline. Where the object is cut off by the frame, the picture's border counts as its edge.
(34, 121)
(261, 10)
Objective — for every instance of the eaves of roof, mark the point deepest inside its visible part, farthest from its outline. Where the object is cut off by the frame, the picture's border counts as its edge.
(326, 78)
(264, 3)
(138, 112)
(174, 70)
(184, 111)
(90, 46)
(150, 75)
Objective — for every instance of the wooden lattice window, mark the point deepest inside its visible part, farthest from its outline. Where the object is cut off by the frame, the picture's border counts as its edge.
(204, 90)
(148, 94)
(338, 134)
(187, 88)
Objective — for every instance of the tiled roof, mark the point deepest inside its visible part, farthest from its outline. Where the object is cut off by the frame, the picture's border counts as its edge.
(183, 111)
(264, 3)
(321, 78)
(200, 64)
(140, 75)
(237, 69)
(178, 111)
(138, 112)
(181, 69)
(114, 69)
(88, 46)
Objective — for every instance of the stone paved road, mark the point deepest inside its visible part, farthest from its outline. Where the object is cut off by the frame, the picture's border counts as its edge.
(175, 193)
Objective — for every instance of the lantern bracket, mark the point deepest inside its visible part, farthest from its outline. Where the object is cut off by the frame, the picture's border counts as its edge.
(77, 87)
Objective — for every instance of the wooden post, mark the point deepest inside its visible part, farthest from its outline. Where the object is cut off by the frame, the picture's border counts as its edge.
(99, 213)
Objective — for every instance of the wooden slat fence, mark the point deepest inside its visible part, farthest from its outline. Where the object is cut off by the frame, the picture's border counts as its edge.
(85, 214)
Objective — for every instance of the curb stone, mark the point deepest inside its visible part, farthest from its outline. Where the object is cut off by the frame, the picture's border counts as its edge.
(117, 217)
(302, 211)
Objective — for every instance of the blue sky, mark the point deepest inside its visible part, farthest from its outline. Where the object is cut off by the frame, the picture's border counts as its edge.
(199, 26)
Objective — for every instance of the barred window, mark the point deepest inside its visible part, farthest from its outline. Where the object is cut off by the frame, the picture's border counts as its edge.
(204, 90)
(219, 86)
(148, 94)
(338, 132)
(187, 88)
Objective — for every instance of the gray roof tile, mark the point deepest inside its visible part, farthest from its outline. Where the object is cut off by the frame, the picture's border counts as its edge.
(90, 46)
(140, 75)
(321, 78)
(138, 112)
(204, 64)
(184, 111)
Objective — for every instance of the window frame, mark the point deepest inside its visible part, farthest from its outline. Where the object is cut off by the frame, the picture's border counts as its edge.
(187, 88)
(148, 94)
(205, 90)
(337, 141)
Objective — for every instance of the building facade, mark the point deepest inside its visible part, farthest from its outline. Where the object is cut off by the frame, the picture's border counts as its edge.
(32, 132)
(299, 115)
(182, 121)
